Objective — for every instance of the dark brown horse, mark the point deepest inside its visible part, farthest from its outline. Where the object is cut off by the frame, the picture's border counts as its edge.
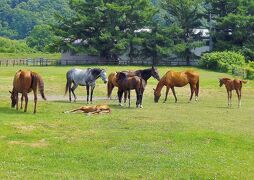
(232, 85)
(25, 82)
(144, 74)
(177, 79)
(126, 84)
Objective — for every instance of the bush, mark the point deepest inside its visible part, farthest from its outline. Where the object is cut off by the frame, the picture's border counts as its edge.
(223, 61)
(13, 46)
(249, 72)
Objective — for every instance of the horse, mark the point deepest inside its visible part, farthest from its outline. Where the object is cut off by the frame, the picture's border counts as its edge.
(90, 110)
(86, 77)
(24, 82)
(177, 79)
(230, 86)
(144, 74)
(125, 84)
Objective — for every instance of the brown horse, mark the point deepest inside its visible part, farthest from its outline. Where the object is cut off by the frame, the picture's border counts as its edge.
(232, 85)
(144, 74)
(25, 82)
(177, 79)
(126, 84)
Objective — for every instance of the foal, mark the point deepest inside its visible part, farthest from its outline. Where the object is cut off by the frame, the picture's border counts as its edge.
(233, 85)
(126, 84)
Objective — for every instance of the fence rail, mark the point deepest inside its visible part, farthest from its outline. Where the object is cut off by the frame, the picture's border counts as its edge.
(28, 62)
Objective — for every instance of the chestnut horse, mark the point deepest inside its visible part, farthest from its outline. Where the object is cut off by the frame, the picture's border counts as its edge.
(24, 82)
(177, 79)
(232, 85)
(144, 74)
(126, 84)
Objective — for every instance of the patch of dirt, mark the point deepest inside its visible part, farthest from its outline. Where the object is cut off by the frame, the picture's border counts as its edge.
(24, 128)
(37, 144)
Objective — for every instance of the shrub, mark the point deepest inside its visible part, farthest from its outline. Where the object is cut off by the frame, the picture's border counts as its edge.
(249, 72)
(223, 61)
(13, 46)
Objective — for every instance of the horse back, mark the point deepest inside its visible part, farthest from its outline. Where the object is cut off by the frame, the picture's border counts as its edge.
(22, 81)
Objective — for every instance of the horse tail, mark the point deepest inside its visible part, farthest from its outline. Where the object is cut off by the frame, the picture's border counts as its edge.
(243, 81)
(197, 86)
(37, 80)
(110, 88)
(66, 87)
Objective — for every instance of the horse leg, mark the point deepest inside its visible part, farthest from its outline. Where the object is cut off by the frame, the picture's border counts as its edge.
(17, 104)
(26, 101)
(129, 97)
(125, 97)
(137, 98)
(91, 95)
(69, 88)
(192, 91)
(73, 89)
(87, 93)
(174, 93)
(141, 98)
(120, 94)
(35, 100)
(166, 97)
(22, 99)
(230, 98)
(239, 98)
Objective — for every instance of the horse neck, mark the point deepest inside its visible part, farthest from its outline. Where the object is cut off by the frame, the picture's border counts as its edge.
(160, 84)
(145, 74)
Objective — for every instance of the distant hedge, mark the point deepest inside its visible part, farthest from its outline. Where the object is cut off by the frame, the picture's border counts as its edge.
(14, 46)
(228, 61)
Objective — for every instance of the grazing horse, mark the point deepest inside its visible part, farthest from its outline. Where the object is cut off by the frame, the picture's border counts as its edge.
(24, 82)
(230, 86)
(144, 74)
(125, 84)
(177, 79)
(86, 77)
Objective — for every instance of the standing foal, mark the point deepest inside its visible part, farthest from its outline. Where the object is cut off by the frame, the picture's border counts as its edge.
(233, 85)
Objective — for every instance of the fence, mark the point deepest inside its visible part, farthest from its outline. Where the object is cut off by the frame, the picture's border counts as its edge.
(28, 62)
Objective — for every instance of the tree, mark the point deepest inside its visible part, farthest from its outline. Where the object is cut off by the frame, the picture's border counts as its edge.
(40, 38)
(187, 15)
(234, 27)
(105, 27)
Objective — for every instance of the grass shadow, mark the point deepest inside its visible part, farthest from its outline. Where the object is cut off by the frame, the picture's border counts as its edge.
(9, 110)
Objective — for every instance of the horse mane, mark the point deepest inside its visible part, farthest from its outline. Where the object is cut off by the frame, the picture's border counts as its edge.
(95, 72)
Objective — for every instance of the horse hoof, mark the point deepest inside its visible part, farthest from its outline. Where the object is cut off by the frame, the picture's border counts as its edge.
(141, 106)
(120, 105)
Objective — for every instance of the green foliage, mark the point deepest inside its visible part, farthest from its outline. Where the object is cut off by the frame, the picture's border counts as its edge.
(187, 15)
(105, 28)
(40, 38)
(13, 46)
(33, 55)
(223, 61)
(18, 17)
(234, 25)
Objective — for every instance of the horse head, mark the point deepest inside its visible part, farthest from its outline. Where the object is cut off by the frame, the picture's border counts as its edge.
(103, 76)
(155, 73)
(157, 95)
(13, 99)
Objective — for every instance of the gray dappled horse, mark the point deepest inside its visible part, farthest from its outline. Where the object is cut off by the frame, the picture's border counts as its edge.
(86, 77)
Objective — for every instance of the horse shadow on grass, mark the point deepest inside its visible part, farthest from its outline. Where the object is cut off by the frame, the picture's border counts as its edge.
(9, 110)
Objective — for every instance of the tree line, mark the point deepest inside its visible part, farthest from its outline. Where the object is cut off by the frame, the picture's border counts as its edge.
(151, 29)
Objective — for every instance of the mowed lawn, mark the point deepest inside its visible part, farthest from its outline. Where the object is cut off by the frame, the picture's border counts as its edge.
(197, 140)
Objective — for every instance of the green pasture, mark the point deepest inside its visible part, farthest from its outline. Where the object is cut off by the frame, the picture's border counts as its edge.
(197, 140)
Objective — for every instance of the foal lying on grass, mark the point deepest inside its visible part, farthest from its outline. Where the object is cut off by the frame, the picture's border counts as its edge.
(91, 110)
(233, 85)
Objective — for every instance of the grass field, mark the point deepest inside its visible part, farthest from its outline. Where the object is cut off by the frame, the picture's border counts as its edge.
(30, 55)
(198, 140)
